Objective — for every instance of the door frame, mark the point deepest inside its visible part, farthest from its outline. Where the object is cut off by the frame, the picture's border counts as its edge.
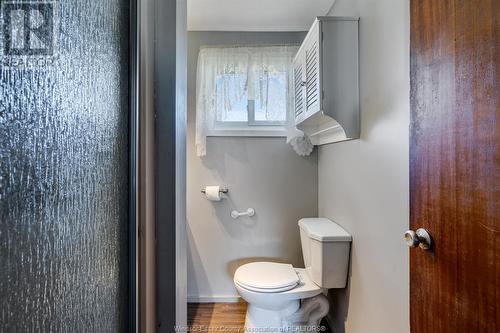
(158, 84)
(169, 61)
(133, 309)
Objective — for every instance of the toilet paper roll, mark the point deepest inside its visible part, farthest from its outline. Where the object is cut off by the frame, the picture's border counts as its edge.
(212, 193)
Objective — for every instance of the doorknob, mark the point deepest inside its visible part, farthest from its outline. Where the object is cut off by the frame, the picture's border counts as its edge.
(420, 238)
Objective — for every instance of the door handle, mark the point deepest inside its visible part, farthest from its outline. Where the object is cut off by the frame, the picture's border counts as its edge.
(420, 238)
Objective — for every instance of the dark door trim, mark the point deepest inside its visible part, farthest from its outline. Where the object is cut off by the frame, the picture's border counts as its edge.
(133, 166)
(170, 123)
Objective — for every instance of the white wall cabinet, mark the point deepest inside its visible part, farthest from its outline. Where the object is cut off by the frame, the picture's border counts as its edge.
(326, 81)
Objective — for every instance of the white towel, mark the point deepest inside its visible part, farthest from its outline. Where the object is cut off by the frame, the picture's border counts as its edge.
(299, 141)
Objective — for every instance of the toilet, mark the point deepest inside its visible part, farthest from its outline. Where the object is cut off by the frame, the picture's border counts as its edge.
(281, 297)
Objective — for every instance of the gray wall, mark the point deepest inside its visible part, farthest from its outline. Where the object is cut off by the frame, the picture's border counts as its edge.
(363, 184)
(262, 173)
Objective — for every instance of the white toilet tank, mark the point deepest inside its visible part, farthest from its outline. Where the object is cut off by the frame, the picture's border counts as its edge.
(325, 247)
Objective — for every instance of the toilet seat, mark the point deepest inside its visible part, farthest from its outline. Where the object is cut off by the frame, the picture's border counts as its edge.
(266, 277)
(266, 290)
(304, 289)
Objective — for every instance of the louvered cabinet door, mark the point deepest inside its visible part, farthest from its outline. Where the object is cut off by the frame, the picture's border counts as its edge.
(312, 72)
(327, 104)
(299, 88)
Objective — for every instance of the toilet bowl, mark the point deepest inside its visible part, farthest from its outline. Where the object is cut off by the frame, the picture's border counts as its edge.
(281, 297)
(273, 301)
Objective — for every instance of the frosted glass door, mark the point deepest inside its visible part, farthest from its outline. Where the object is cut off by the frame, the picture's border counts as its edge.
(64, 165)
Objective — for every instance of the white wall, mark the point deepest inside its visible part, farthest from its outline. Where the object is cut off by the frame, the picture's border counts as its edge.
(363, 184)
(262, 173)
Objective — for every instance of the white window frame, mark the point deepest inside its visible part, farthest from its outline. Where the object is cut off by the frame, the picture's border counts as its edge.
(220, 60)
(251, 127)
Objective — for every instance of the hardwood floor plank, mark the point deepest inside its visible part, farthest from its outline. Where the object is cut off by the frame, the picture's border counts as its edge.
(229, 316)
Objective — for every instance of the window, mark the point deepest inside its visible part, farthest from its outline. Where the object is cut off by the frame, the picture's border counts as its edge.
(234, 108)
(243, 91)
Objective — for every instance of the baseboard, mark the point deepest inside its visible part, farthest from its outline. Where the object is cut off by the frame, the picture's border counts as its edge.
(214, 299)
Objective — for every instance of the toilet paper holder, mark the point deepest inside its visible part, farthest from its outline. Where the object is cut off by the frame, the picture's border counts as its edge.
(223, 189)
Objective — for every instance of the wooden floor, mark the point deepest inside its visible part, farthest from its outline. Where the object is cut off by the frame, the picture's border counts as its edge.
(225, 317)
(220, 317)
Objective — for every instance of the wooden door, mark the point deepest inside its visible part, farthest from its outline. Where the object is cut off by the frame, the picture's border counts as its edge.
(455, 165)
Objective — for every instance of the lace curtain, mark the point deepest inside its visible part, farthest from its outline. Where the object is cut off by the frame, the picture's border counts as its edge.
(248, 73)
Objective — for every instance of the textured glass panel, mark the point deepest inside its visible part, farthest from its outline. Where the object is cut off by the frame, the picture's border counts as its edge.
(64, 166)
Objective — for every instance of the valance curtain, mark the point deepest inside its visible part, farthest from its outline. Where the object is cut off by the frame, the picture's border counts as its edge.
(247, 71)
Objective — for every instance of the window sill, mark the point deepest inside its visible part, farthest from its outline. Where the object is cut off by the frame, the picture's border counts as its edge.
(248, 132)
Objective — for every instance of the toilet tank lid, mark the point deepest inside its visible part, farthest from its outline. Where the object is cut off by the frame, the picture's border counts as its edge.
(324, 230)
